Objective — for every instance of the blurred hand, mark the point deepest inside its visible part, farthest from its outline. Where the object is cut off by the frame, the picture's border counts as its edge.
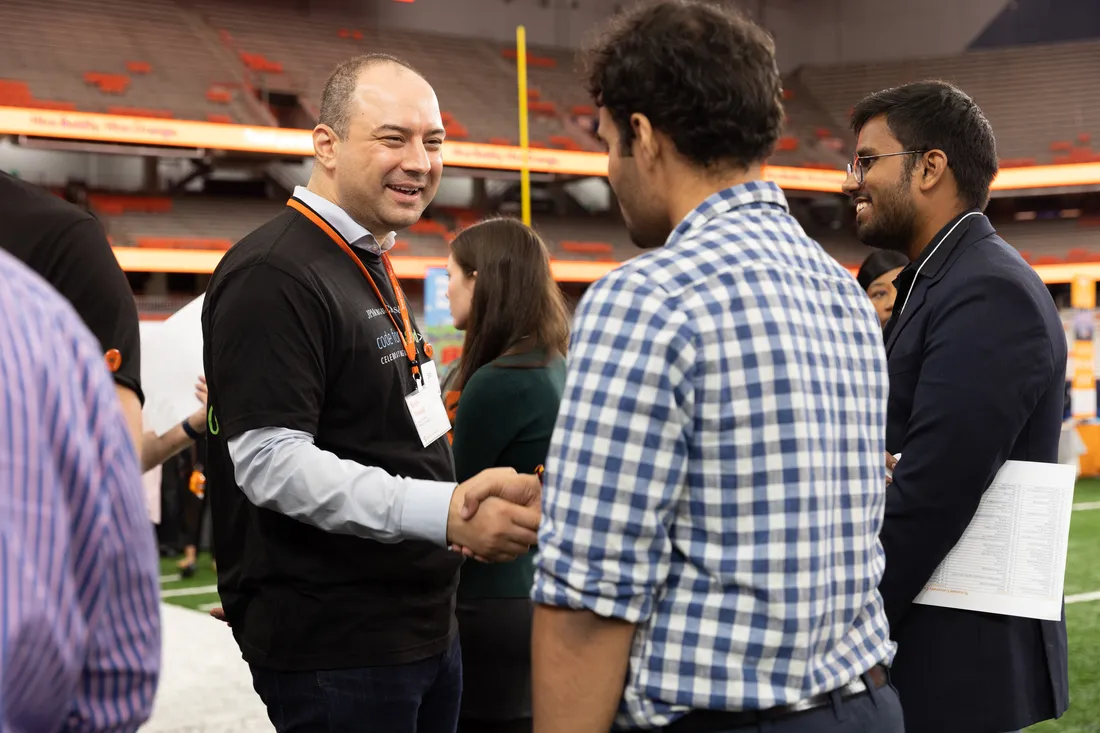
(890, 463)
(499, 532)
(219, 614)
(522, 489)
(197, 419)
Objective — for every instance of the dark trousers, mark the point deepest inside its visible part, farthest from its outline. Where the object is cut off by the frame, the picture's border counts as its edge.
(421, 697)
(876, 711)
(496, 664)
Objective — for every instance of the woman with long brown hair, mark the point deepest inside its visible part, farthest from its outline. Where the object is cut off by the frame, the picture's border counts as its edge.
(508, 386)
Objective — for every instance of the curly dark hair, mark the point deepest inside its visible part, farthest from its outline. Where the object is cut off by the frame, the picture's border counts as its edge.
(936, 115)
(704, 75)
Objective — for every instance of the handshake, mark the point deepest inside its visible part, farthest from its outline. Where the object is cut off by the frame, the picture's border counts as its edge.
(494, 516)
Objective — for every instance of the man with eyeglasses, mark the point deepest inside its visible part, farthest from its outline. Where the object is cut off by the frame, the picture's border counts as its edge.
(977, 361)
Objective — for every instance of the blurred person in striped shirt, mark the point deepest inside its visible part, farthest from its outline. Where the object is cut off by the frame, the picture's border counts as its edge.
(80, 648)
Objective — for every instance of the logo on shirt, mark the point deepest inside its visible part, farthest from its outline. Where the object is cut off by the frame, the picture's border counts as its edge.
(113, 357)
(212, 426)
(375, 312)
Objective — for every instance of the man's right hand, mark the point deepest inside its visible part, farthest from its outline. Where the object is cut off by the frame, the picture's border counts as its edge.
(518, 488)
(890, 463)
(501, 530)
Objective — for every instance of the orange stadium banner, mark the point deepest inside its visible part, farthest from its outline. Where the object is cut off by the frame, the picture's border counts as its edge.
(93, 127)
(203, 262)
(1047, 176)
(104, 128)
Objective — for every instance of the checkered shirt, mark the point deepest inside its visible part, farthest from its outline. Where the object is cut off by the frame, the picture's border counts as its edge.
(716, 474)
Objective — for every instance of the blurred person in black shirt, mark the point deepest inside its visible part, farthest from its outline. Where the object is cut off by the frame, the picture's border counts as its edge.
(66, 245)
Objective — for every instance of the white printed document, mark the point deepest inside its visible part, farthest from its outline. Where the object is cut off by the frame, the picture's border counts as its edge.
(171, 363)
(1011, 559)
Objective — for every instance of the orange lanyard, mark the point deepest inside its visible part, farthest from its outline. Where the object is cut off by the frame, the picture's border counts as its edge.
(405, 330)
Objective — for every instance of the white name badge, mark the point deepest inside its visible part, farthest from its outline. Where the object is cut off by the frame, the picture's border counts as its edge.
(426, 408)
(431, 376)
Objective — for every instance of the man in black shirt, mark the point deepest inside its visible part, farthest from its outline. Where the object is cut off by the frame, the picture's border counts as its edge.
(335, 499)
(66, 245)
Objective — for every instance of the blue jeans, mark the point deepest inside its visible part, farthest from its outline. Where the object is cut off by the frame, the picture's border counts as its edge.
(421, 697)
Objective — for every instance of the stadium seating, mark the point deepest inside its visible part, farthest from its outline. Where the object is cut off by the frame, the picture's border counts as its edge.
(163, 58)
(190, 222)
(143, 58)
(204, 60)
(475, 80)
(475, 84)
(187, 218)
(1054, 240)
(198, 222)
(1034, 96)
(166, 59)
(819, 142)
(160, 307)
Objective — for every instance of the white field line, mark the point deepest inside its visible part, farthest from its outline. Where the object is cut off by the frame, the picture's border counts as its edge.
(1084, 597)
(200, 590)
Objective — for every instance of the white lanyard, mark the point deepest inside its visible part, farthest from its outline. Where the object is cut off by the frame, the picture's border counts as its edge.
(930, 255)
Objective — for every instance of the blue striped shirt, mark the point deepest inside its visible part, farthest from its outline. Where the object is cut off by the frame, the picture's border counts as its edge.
(716, 472)
(80, 625)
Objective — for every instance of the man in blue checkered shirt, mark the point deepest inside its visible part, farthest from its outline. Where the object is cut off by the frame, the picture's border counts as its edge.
(709, 554)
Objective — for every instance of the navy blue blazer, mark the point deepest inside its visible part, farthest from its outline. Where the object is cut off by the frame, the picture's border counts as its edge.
(977, 363)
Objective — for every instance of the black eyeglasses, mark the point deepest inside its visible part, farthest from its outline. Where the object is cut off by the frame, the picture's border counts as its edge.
(855, 168)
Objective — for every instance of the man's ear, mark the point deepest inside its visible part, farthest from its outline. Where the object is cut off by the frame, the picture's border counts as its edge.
(325, 142)
(646, 145)
(932, 169)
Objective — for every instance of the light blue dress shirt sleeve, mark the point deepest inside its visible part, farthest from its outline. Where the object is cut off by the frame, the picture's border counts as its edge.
(284, 471)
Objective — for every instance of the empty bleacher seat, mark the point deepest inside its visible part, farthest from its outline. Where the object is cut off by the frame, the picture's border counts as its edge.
(219, 95)
(163, 114)
(14, 93)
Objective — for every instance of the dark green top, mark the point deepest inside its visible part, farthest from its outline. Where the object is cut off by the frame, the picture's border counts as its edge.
(506, 415)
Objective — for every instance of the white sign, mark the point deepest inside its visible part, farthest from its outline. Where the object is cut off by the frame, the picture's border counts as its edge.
(171, 363)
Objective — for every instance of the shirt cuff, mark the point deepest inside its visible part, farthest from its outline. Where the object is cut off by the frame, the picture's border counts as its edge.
(426, 507)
